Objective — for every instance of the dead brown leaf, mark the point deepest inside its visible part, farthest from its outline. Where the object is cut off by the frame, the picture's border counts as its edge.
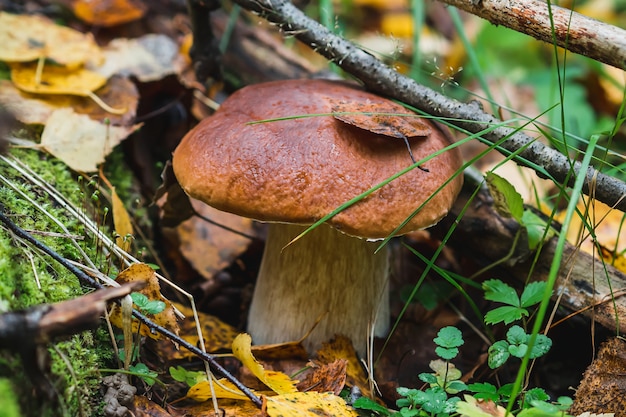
(603, 388)
(341, 348)
(108, 12)
(329, 377)
(390, 119)
(208, 247)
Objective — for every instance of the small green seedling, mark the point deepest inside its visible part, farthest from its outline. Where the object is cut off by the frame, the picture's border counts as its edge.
(509, 203)
(444, 381)
(517, 307)
(516, 344)
(146, 305)
(190, 378)
(141, 371)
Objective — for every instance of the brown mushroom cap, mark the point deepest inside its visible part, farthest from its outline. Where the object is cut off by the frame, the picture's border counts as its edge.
(299, 170)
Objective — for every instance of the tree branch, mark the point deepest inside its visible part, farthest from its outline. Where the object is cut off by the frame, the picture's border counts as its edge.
(381, 79)
(572, 31)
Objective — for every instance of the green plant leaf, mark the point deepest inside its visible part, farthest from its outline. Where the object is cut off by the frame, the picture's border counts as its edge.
(409, 412)
(179, 373)
(534, 394)
(434, 400)
(518, 350)
(366, 403)
(533, 293)
(450, 405)
(498, 354)
(507, 201)
(148, 376)
(449, 337)
(542, 345)
(146, 305)
(454, 387)
(190, 378)
(496, 290)
(484, 391)
(564, 402)
(538, 412)
(446, 353)
(139, 299)
(428, 378)
(535, 229)
(516, 335)
(506, 314)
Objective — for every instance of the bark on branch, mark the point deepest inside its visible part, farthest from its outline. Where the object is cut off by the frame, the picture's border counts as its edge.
(379, 78)
(572, 31)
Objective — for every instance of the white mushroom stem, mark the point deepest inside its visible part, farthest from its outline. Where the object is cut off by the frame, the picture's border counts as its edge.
(327, 275)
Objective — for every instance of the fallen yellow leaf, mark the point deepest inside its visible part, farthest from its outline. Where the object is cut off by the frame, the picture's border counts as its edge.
(55, 80)
(223, 389)
(121, 219)
(79, 141)
(166, 318)
(276, 381)
(308, 404)
(27, 38)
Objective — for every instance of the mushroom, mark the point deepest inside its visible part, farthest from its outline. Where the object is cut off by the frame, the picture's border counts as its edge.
(291, 173)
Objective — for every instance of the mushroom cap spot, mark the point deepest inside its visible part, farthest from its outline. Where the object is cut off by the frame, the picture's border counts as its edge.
(299, 170)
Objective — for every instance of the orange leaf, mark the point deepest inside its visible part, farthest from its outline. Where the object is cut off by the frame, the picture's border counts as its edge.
(166, 318)
(108, 12)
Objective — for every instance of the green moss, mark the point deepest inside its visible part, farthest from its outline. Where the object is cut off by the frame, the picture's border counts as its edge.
(8, 399)
(28, 277)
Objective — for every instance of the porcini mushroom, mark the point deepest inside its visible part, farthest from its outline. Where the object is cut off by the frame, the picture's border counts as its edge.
(290, 173)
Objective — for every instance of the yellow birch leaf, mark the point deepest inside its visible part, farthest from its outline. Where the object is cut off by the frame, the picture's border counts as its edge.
(278, 382)
(223, 389)
(56, 80)
(121, 219)
(27, 38)
(166, 318)
(308, 404)
(79, 141)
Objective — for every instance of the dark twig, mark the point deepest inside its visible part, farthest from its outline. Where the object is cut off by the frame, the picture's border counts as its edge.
(205, 51)
(470, 117)
(87, 280)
